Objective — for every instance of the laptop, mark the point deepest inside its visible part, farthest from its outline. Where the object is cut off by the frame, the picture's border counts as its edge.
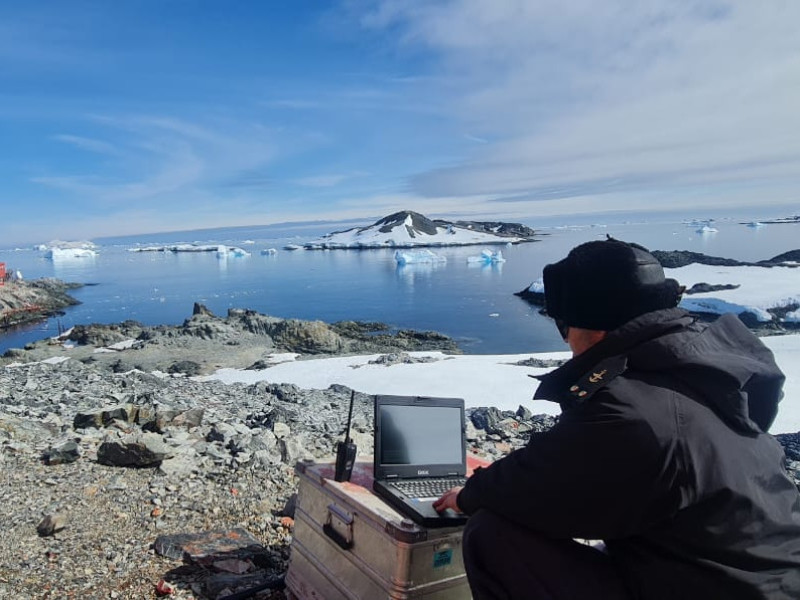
(420, 453)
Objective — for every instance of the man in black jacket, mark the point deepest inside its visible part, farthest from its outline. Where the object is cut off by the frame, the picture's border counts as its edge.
(661, 451)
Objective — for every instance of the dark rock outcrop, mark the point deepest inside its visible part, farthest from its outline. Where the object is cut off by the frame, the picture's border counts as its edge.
(29, 301)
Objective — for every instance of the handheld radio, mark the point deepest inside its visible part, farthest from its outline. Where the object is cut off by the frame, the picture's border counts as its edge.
(346, 450)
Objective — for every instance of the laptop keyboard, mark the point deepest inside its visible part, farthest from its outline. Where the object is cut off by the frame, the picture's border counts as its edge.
(427, 488)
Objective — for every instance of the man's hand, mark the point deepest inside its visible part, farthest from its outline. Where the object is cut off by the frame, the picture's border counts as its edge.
(448, 500)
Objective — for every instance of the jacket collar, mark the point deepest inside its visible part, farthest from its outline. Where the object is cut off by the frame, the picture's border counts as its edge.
(579, 378)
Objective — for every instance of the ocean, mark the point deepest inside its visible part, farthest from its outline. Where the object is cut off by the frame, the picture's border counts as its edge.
(474, 304)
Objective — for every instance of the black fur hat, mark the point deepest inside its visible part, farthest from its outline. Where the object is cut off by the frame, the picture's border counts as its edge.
(604, 284)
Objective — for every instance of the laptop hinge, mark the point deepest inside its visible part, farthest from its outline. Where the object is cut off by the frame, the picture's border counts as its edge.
(392, 477)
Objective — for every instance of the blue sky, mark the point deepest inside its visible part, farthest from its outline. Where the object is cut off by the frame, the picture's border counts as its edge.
(157, 115)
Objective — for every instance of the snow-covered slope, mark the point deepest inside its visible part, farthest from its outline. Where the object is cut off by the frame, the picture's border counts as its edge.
(407, 229)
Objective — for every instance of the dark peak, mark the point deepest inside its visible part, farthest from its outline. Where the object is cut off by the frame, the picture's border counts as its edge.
(419, 222)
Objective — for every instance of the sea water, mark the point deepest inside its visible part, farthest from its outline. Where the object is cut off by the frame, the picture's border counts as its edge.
(473, 303)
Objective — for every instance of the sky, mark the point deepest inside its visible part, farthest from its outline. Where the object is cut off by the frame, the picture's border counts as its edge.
(118, 118)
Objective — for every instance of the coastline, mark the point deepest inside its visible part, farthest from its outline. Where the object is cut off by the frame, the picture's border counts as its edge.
(23, 302)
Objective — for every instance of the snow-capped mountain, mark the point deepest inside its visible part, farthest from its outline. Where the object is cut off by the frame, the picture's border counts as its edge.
(408, 229)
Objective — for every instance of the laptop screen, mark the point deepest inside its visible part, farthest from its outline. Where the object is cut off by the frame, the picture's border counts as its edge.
(415, 435)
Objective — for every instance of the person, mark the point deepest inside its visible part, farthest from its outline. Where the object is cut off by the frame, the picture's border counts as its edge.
(660, 452)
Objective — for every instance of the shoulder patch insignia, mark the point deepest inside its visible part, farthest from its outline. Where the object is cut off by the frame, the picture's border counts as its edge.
(598, 377)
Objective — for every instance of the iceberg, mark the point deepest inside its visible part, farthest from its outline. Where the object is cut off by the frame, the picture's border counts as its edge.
(416, 257)
(707, 229)
(537, 287)
(177, 248)
(224, 251)
(58, 249)
(269, 251)
(487, 257)
(61, 253)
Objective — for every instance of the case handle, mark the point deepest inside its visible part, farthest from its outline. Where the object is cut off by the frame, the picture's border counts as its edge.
(345, 542)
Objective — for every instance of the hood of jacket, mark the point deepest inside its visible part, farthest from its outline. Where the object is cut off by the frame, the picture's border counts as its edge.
(723, 364)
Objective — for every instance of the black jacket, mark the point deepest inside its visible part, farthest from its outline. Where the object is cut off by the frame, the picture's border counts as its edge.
(661, 452)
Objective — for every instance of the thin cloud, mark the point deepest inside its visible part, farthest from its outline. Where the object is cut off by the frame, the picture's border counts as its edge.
(575, 96)
(88, 144)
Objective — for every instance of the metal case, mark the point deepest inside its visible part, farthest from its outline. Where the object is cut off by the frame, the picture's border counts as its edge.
(350, 545)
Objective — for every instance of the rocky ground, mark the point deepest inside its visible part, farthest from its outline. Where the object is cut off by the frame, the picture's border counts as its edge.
(111, 457)
(246, 339)
(121, 485)
(132, 485)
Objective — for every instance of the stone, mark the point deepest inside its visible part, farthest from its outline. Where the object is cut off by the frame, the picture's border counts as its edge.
(189, 418)
(180, 465)
(196, 546)
(63, 453)
(101, 418)
(138, 450)
(25, 430)
(281, 430)
(221, 432)
(51, 523)
(188, 368)
(486, 418)
(293, 450)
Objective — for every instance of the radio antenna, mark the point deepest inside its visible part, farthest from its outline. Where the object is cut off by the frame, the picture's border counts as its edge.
(347, 439)
(346, 450)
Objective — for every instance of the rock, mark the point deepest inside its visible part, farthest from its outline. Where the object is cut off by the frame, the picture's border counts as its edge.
(486, 418)
(97, 335)
(139, 450)
(189, 418)
(221, 432)
(180, 465)
(201, 309)
(234, 542)
(541, 363)
(674, 259)
(51, 523)
(281, 430)
(702, 288)
(24, 301)
(473, 434)
(188, 368)
(63, 453)
(290, 507)
(293, 450)
(101, 418)
(164, 588)
(25, 430)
